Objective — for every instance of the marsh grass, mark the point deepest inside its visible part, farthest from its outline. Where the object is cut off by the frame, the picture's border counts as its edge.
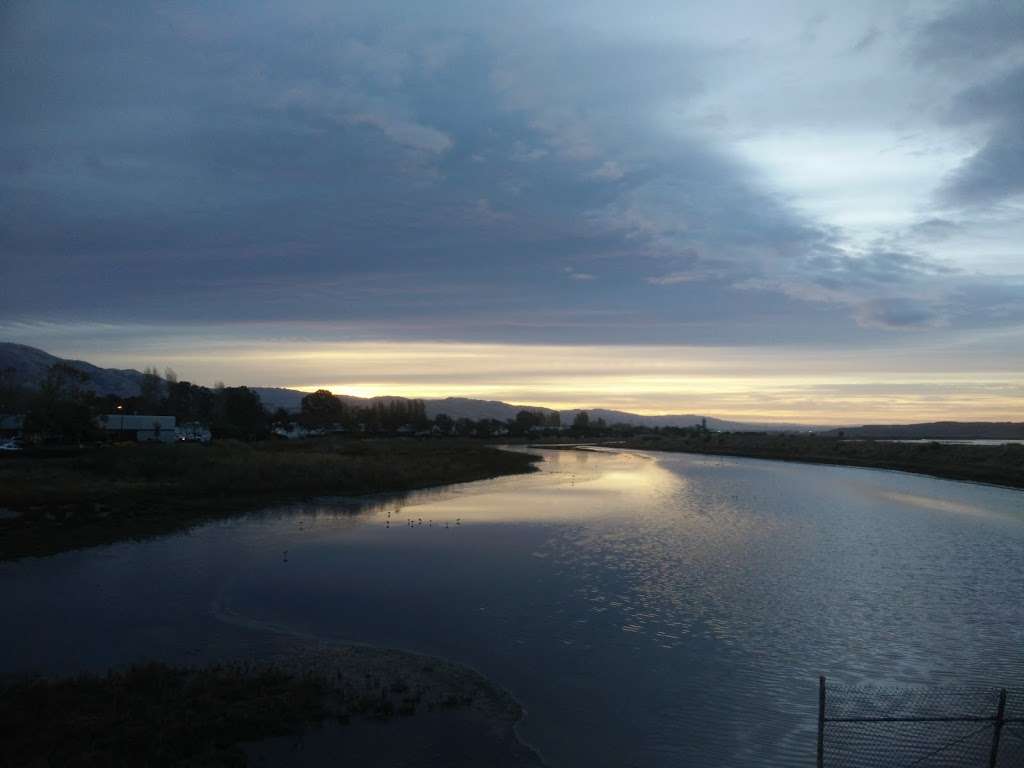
(154, 715)
(998, 464)
(130, 491)
(159, 715)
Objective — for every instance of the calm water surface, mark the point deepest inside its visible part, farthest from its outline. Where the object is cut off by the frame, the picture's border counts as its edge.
(647, 609)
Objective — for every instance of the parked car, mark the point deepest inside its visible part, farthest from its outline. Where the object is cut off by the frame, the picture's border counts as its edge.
(10, 445)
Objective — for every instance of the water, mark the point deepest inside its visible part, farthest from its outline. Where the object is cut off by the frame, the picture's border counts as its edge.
(648, 610)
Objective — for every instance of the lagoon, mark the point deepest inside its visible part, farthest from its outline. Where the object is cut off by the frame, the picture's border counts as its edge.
(646, 609)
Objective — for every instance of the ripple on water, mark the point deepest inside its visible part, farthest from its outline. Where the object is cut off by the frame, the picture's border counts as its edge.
(647, 612)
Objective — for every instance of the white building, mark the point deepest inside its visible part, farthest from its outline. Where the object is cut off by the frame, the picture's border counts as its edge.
(141, 429)
(295, 431)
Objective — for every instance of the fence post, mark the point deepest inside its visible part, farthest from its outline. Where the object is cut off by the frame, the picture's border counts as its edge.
(821, 721)
(997, 729)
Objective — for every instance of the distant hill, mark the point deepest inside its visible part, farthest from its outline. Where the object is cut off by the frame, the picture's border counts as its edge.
(291, 399)
(30, 365)
(470, 408)
(279, 397)
(937, 430)
(684, 420)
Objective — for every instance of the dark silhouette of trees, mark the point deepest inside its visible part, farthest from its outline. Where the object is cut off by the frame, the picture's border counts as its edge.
(525, 421)
(582, 422)
(487, 427)
(240, 414)
(13, 398)
(443, 422)
(61, 408)
(151, 390)
(188, 402)
(322, 409)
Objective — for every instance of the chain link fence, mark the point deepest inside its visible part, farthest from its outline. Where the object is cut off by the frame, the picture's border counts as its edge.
(908, 728)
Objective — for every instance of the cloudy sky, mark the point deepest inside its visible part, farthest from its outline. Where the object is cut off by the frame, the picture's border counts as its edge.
(798, 210)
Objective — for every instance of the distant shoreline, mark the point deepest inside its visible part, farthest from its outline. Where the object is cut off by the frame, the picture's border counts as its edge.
(1001, 466)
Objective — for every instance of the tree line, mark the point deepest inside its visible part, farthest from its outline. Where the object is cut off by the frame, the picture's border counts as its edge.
(324, 410)
(65, 407)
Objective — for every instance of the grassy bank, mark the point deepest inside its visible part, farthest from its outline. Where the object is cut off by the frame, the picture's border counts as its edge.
(159, 715)
(1001, 465)
(153, 715)
(107, 494)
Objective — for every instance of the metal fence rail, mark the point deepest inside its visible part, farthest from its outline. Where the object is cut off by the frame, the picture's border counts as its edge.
(907, 728)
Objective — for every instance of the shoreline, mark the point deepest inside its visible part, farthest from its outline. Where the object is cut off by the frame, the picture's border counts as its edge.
(305, 693)
(104, 496)
(1010, 481)
(295, 694)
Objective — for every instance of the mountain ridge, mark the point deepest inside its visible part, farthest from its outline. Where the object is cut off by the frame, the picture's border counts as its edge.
(30, 365)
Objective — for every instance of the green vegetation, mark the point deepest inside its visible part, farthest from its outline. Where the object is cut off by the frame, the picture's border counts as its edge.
(130, 490)
(1002, 464)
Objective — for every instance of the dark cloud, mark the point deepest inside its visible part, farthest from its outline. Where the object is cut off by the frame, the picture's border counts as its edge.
(457, 172)
(996, 171)
(898, 313)
(935, 229)
(838, 270)
(187, 159)
(997, 98)
(972, 31)
(992, 174)
(969, 38)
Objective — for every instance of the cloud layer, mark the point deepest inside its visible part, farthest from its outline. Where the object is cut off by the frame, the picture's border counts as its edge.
(571, 173)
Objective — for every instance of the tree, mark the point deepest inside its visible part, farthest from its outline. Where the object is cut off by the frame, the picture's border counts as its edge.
(525, 421)
(391, 414)
(418, 414)
(553, 419)
(240, 413)
(189, 402)
(582, 422)
(61, 407)
(464, 427)
(151, 390)
(13, 397)
(322, 409)
(443, 422)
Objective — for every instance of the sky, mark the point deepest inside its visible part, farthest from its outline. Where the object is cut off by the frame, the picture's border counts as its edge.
(794, 211)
